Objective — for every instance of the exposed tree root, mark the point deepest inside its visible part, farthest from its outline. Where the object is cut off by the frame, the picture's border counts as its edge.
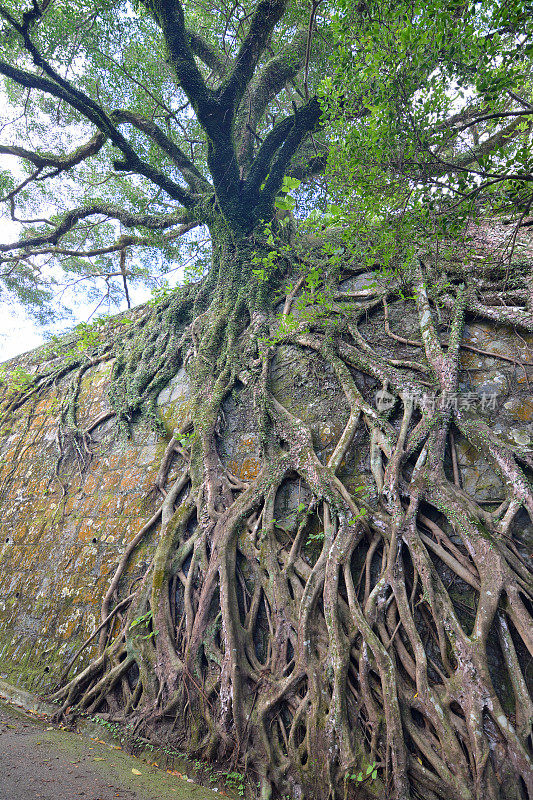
(348, 656)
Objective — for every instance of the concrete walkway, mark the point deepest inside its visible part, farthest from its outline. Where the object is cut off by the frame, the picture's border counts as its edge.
(42, 762)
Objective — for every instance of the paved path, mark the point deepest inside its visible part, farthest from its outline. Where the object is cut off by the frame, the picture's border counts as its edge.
(41, 762)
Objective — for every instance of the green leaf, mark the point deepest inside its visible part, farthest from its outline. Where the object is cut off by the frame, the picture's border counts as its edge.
(285, 203)
(290, 183)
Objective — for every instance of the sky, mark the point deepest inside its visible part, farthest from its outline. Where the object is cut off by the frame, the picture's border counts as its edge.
(20, 333)
(17, 333)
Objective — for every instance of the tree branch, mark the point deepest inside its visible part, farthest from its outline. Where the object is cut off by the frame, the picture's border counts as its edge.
(442, 166)
(120, 244)
(283, 140)
(207, 54)
(171, 19)
(95, 114)
(191, 174)
(271, 144)
(266, 15)
(58, 87)
(497, 140)
(71, 218)
(270, 81)
(212, 116)
(62, 162)
(306, 119)
(311, 161)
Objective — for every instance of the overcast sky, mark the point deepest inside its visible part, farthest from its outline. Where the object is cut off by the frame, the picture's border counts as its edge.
(19, 332)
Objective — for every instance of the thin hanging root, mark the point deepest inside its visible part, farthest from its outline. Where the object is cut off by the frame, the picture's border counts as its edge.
(376, 463)
(105, 613)
(470, 348)
(86, 643)
(455, 465)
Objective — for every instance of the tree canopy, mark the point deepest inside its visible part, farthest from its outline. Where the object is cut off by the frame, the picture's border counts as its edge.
(431, 109)
(126, 121)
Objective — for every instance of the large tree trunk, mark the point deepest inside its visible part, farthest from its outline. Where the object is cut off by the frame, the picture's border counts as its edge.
(349, 618)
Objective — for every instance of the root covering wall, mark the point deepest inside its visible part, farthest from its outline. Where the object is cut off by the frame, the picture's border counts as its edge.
(68, 513)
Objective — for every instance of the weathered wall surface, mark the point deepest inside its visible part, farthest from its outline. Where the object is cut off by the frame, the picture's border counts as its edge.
(64, 524)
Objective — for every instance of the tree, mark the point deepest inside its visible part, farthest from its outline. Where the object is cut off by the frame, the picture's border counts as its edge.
(442, 133)
(150, 180)
(332, 653)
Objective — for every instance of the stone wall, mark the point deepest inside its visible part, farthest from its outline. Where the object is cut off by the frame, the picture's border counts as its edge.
(64, 523)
